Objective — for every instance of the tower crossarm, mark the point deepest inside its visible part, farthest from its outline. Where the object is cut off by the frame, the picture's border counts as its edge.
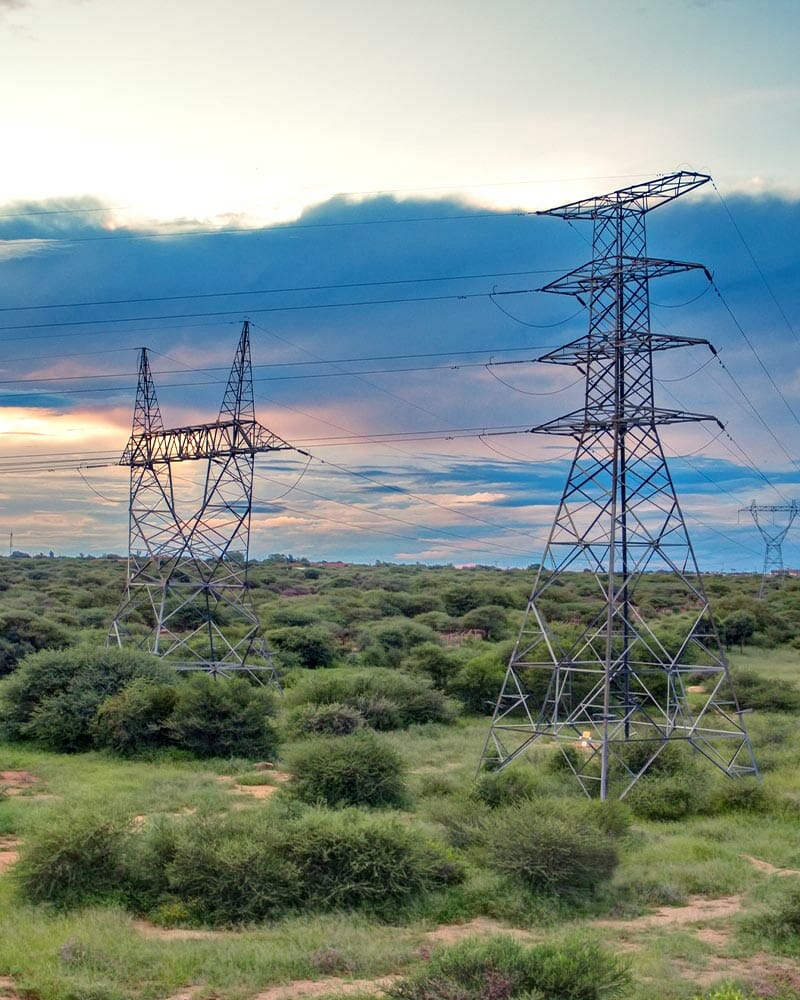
(221, 439)
(635, 198)
(580, 422)
(585, 349)
(588, 278)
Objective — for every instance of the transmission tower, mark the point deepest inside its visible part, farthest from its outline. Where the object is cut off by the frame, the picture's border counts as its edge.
(773, 535)
(186, 596)
(611, 691)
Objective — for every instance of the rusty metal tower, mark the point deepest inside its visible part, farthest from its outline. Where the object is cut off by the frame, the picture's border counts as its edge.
(612, 689)
(773, 535)
(186, 596)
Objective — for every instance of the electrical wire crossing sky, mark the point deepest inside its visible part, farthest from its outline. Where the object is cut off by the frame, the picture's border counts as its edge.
(360, 181)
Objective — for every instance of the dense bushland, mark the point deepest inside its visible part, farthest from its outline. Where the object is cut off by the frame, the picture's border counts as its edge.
(236, 868)
(131, 702)
(385, 699)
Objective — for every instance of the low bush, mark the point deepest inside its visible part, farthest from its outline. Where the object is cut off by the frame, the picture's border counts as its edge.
(226, 872)
(500, 968)
(566, 855)
(223, 717)
(350, 859)
(75, 860)
(354, 770)
(779, 924)
(311, 646)
(667, 797)
(53, 696)
(768, 694)
(325, 720)
(250, 866)
(478, 682)
(136, 717)
(501, 788)
(386, 698)
(744, 795)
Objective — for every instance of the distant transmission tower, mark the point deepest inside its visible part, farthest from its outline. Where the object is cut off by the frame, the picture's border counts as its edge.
(611, 691)
(773, 535)
(186, 596)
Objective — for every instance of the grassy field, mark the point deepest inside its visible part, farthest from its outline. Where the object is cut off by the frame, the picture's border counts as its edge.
(682, 909)
(706, 904)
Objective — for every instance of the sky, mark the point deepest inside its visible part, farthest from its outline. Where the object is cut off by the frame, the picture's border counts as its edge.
(359, 180)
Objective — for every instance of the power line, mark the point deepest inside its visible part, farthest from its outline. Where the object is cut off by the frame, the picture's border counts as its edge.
(756, 265)
(281, 290)
(121, 237)
(464, 296)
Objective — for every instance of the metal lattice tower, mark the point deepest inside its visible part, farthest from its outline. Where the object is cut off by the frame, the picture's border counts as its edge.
(773, 535)
(611, 691)
(186, 596)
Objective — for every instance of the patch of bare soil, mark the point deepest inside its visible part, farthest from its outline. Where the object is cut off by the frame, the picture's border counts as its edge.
(696, 910)
(480, 926)
(767, 868)
(176, 933)
(257, 791)
(763, 974)
(7, 990)
(262, 791)
(17, 782)
(9, 853)
(318, 987)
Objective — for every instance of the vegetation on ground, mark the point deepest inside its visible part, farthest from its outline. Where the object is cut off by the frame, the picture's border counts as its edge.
(133, 794)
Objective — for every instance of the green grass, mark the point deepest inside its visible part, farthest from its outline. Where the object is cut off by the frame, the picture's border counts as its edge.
(99, 952)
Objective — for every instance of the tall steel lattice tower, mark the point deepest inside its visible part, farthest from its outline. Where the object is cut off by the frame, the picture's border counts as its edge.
(186, 596)
(612, 690)
(773, 535)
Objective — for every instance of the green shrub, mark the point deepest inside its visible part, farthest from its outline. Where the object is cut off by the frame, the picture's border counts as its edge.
(350, 859)
(501, 788)
(386, 698)
(136, 718)
(24, 632)
(384, 644)
(478, 682)
(325, 720)
(53, 697)
(73, 861)
(549, 853)
(500, 968)
(740, 795)
(431, 659)
(727, 992)
(223, 717)
(354, 770)
(667, 797)
(781, 923)
(768, 694)
(312, 646)
(226, 872)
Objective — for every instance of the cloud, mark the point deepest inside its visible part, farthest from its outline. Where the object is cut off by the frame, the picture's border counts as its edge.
(369, 279)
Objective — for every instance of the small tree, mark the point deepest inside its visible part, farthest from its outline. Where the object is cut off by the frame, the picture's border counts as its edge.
(737, 628)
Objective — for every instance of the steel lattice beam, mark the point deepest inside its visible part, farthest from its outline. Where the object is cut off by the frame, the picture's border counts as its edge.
(773, 535)
(186, 595)
(612, 691)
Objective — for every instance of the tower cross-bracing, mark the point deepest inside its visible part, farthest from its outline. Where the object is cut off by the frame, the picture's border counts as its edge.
(773, 534)
(186, 596)
(614, 687)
